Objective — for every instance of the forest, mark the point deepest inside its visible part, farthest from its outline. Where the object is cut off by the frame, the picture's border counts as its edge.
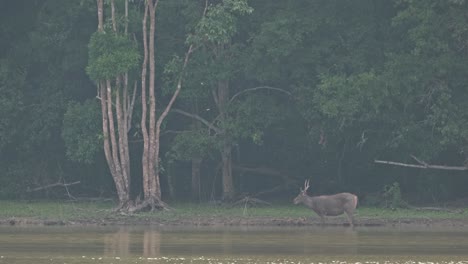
(153, 101)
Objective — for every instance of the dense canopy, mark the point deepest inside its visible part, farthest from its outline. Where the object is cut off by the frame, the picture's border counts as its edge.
(241, 97)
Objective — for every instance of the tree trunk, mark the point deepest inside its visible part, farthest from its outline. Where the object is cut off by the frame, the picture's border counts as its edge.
(115, 142)
(151, 136)
(150, 159)
(222, 99)
(124, 156)
(196, 169)
(153, 178)
(228, 184)
(144, 109)
(100, 13)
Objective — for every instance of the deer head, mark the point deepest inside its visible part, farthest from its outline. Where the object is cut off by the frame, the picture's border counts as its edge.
(302, 193)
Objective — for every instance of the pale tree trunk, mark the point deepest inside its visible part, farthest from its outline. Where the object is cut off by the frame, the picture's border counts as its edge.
(150, 161)
(100, 13)
(113, 95)
(151, 186)
(153, 179)
(150, 123)
(145, 156)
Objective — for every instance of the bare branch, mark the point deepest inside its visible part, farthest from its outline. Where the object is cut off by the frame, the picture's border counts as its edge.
(400, 164)
(260, 170)
(215, 97)
(258, 88)
(179, 81)
(52, 185)
(155, 5)
(206, 8)
(166, 132)
(131, 106)
(420, 161)
(178, 88)
(423, 165)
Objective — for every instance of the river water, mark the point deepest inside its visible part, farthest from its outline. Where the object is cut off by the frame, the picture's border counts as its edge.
(146, 244)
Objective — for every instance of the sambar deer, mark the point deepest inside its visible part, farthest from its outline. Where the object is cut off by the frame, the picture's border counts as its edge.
(329, 205)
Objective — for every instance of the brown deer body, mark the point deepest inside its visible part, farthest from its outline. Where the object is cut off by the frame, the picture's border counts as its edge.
(329, 205)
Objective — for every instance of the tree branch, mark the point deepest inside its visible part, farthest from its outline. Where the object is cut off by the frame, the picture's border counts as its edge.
(266, 171)
(189, 52)
(52, 185)
(258, 88)
(260, 170)
(131, 106)
(197, 117)
(165, 132)
(422, 165)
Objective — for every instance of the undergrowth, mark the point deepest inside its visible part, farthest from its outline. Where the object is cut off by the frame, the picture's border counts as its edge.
(73, 211)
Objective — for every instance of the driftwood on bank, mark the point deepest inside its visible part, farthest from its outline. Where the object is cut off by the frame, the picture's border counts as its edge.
(422, 165)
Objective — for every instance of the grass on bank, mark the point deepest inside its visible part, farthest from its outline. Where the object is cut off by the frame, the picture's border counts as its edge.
(82, 211)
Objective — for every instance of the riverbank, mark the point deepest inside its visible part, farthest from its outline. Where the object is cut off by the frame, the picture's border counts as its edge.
(101, 213)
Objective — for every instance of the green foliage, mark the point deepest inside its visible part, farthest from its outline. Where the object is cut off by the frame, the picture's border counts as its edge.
(171, 74)
(10, 181)
(426, 74)
(10, 101)
(111, 54)
(374, 78)
(191, 144)
(41, 68)
(358, 97)
(219, 24)
(81, 131)
(94, 211)
(392, 195)
(249, 117)
(56, 210)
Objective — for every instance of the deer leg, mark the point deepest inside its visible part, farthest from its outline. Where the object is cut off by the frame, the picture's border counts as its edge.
(350, 219)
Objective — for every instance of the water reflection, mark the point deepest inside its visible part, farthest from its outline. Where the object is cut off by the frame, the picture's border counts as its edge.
(151, 243)
(127, 241)
(312, 244)
(118, 243)
(155, 242)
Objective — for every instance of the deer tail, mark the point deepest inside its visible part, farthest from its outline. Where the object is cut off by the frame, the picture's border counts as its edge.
(355, 200)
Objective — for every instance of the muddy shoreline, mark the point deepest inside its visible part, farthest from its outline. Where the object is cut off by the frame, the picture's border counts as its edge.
(239, 221)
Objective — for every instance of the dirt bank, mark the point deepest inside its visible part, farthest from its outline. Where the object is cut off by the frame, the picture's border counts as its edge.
(240, 221)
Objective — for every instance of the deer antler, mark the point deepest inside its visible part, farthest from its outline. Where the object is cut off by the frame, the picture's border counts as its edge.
(306, 185)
